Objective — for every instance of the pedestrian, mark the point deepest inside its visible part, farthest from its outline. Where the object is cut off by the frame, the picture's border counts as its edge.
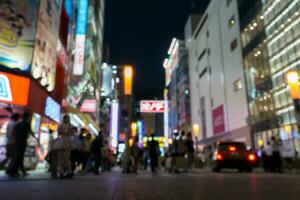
(189, 143)
(75, 151)
(64, 148)
(276, 156)
(267, 157)
(174, 153)
(145, 158)
(96, 151)
(154, 153)
(22, 130)
(85, 150)
(135, 153)
(10, 140)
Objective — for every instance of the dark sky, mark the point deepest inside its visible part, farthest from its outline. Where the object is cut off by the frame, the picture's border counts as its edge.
(139, 33)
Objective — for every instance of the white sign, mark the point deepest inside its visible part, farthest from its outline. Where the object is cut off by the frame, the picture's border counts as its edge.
(5, 91)
(79, 55)
(152, 106)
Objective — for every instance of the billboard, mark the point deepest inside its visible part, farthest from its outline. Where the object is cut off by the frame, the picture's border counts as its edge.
(80, 36)
(52, 109)
(17, 33)
(152, 106)
(44, 60)
(14, 89)
(218, 119)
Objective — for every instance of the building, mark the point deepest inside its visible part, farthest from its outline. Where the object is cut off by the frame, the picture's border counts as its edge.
(219, 108)
(270, 33)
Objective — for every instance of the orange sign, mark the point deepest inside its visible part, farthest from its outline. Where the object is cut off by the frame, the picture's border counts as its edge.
(14, 89)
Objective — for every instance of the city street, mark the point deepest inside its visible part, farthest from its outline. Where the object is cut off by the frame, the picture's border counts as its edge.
(114, 185)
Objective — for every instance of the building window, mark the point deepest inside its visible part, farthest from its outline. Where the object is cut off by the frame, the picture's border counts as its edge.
(237, 85)
(233, 44)
(228, 2)
(231, 22)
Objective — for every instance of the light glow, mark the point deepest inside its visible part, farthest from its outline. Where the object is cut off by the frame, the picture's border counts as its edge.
(128, 76)
(114, 124)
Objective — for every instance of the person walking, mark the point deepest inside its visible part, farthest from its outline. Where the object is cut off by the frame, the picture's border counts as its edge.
(153, 153)
(96, 151)
(189, 143)
(22, 130)
(85, 150)
(267, 157)
(135, 153)
(10, 140)
(276, 157)
(65, 145)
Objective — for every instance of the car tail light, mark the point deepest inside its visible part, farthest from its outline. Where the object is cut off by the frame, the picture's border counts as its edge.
(251, 157)
(219, 157)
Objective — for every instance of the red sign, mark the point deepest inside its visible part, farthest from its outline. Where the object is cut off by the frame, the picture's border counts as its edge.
(218, 119)
(89, 106)
(152, 106)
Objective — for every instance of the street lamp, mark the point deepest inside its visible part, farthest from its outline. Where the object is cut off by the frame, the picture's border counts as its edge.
(293, 83)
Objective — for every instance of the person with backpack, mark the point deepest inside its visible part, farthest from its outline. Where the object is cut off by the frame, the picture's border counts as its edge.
(154, 153)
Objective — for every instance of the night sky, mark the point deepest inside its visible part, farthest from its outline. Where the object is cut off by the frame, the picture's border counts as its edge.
(139, 32)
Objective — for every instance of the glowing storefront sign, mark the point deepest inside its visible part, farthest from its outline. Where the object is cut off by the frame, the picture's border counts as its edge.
(52, 109)
(114, 124)
(152, 106)
(14, 89)
(80, 36)
(128, 75)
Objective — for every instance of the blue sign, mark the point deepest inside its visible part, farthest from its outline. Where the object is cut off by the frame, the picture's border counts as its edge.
(52, 109)
(81, 22)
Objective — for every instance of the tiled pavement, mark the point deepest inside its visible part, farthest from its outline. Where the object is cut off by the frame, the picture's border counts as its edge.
(114, 185)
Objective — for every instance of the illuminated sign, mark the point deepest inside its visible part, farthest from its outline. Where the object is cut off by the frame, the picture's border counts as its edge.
(80, 36)
(152, 106)
(128, 74)
(14, 89)
(52, 109)
(218, 119)
(89, 105)
(114, 124)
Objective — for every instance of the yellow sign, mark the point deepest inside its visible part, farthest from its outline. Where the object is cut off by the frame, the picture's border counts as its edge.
(293, 82)
(128, 75)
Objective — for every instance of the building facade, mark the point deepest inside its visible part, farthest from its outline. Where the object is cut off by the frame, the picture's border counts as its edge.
(270, 34)
(219, 106)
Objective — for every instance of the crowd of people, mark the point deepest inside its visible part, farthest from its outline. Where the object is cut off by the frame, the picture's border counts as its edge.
(72, 152)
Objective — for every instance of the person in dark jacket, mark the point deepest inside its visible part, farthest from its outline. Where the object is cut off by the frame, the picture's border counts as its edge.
(96, 150)
(154, 153)
(22, 131)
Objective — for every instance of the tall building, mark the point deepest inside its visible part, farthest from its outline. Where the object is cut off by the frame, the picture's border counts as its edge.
(270, 33)
(219, 108)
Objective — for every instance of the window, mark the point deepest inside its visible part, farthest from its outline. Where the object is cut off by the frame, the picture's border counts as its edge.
(237, 85)
(233, 44)
(231, 22)
(228, 2)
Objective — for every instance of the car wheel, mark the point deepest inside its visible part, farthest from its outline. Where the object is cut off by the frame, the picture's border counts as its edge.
(249, 169)
(240, 170)
(217, 169)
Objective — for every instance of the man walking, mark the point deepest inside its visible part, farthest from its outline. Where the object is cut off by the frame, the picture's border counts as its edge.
(96, 150)
(22, 131)
(154, 154)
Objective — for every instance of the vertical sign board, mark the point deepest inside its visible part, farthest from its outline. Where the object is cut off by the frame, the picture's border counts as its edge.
(218, 120)
(80, 36)
(114, 124)
(52, 109)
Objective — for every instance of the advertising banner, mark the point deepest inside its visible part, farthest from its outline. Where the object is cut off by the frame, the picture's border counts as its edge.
(89, 105)
(14, 89)
(44, 60)
(152, 106)
(52, 109)
(218, 120)
(80, 36)
(17, 33)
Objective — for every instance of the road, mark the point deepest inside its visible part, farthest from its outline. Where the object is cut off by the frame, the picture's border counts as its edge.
(114, 185)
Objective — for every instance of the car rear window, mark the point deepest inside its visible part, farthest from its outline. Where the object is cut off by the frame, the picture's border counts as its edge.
(226, 146)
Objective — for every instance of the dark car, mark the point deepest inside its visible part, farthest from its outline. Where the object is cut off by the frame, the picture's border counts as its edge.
(233, 155)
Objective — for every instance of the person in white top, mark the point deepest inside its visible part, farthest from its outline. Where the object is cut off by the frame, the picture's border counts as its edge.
(10, 138)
